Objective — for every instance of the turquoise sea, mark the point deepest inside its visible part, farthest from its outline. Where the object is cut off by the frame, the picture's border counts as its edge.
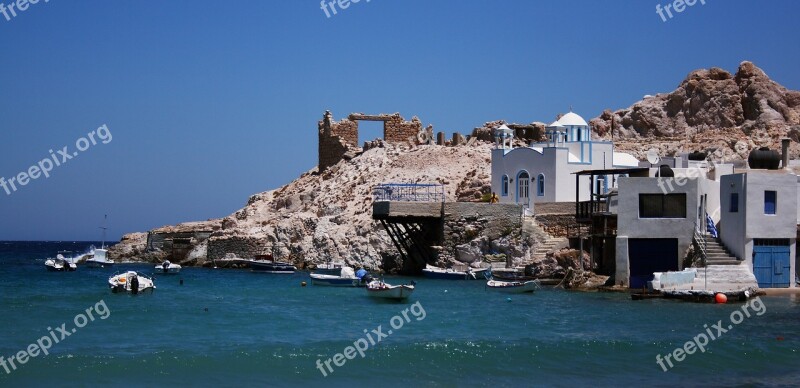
(235, 328)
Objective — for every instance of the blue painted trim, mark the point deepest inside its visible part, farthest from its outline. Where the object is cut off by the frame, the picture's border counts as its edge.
(540, 182)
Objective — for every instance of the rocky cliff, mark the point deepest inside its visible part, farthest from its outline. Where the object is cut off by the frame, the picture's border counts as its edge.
(712, 110)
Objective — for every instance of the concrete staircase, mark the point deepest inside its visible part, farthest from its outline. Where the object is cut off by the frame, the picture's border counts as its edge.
(717, 254)
(548, 246)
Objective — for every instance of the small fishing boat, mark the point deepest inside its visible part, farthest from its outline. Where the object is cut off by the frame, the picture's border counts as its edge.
(511, 275)
(267, 263)
(452, 274)
(379, 289)
(99, 259)
(512, 287)
(60, 264)
(130, 282)
(330, 268)
(346, 278)
(168, 268)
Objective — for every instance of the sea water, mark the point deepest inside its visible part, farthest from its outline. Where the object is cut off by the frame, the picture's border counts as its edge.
(225, 327)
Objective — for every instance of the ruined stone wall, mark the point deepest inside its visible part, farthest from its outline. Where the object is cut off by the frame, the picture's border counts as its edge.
(242, 247)
(163, 241)
(397, 130)
(335, 138)
(557, 225)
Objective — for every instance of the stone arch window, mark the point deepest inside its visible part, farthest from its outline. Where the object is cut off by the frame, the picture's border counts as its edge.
(540, 185)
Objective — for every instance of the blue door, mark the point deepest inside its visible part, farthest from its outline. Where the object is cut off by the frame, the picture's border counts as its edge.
(771, 265)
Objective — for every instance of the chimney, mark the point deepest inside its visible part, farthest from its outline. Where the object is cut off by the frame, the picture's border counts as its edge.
(785, 152)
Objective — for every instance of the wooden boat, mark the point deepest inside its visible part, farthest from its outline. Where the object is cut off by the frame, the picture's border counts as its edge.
(267, 263)
(379, 289)
(451, 274)
(512, 287)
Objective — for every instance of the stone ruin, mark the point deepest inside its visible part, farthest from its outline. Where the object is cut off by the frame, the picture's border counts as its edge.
(338, 139)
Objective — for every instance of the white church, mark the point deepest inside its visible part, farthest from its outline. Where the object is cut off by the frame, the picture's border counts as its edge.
(543, 172)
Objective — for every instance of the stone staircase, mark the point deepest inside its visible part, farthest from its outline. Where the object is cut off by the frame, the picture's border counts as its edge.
(717, 254)
(548, 246)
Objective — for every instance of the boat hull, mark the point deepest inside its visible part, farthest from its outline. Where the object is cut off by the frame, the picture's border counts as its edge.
(270, 267)
(333, 281)
(386, 291)
(453, 275)
(512, 287)
(98, 264)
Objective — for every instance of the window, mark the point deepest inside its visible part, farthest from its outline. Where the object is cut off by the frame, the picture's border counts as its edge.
(504, 186)
(540, 186)
(662, 206)
(734, 206)
(770, 202)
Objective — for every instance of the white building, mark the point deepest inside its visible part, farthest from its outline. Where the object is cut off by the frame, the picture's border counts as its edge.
(543, 172)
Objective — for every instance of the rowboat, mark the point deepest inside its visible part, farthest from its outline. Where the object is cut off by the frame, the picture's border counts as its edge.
(346, 278)
(512, 287)
(451, 274)
(379, 289)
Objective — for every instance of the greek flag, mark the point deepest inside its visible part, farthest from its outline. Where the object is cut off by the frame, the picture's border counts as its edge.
(710, 228)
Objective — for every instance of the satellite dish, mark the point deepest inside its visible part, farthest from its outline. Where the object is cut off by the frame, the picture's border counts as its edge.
(652, 156)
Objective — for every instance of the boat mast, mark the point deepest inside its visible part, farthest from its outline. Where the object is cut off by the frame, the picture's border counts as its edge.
(103, 243)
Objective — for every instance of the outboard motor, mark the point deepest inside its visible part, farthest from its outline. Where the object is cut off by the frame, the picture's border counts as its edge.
(135, 284)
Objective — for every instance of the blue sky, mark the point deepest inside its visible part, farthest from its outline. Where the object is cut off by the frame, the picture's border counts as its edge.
(210, 102)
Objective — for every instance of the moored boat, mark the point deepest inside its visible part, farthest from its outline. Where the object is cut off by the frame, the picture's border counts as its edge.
(380, 289)
(60, 264)
(99, 259)
(130, 282)
(267, 263)
(330, 268)
(512, 287)
(346, 278)
(168, 268)
(452, 274)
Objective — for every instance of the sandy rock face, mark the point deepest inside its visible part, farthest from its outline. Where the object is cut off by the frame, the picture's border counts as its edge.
(712, 109)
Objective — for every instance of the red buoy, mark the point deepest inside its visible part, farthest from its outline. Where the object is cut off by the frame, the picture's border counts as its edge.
(721, 298)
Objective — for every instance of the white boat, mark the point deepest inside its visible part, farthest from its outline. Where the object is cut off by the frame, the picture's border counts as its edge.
(168, 268)
(99, 259)
(130, 282)
(452, 274)
(346, 278)
(513, 287)
(379, 289)
(330, 268)
(60, 264)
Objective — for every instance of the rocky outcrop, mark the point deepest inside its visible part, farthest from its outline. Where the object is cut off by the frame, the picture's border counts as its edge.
(329, 215)
(712, 110)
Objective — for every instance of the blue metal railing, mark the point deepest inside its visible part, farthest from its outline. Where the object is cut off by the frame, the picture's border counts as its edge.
(409, 192)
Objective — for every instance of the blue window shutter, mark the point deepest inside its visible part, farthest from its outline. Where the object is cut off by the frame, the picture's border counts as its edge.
(770, 202)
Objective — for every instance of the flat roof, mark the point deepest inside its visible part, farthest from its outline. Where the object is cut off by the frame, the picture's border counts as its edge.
(613, 171)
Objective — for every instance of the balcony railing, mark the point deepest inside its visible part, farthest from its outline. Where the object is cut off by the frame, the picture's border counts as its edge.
(585, 209)
(409, 192)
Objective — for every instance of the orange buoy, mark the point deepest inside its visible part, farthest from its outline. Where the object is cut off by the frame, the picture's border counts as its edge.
(721, 298)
